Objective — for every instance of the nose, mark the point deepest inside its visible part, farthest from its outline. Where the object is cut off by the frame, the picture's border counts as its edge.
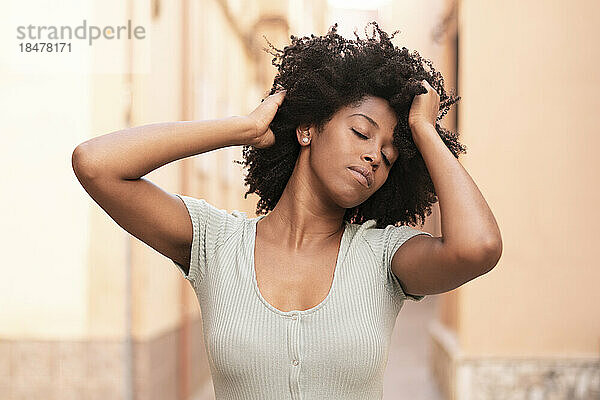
(371, 159)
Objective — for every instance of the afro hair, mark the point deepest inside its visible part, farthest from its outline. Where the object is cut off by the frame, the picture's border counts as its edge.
(322, 74)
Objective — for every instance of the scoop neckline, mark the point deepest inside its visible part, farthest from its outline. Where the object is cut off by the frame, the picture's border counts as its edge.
(339, 261)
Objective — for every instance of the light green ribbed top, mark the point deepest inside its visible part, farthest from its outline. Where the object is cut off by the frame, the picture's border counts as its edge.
(335, 350)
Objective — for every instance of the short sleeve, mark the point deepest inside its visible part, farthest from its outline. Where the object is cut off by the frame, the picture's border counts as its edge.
(210, 226)
(394, 237)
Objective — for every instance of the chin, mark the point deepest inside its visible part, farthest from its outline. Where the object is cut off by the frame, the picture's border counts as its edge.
(350, 197)
(347, 193)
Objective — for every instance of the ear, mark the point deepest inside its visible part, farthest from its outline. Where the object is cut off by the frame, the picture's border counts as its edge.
(304, 131)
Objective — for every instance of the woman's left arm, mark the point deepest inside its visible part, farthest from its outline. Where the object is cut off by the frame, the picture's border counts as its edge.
(468, 226)
(471, 244)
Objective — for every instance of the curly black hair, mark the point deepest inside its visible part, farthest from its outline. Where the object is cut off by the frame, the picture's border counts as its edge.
(322, 74)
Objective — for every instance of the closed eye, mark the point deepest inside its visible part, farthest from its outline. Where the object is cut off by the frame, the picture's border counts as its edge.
(387, 162)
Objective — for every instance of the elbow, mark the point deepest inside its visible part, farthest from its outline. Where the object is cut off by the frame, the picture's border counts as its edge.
(81, 164)
(76, 158)
(490, 255)
(493, 249)
(490, 261)
(482, 259)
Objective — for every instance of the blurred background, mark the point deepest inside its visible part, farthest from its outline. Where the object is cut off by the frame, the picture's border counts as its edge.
(89, 312)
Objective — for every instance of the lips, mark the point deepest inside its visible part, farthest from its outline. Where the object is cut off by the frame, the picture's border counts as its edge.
(363, 175)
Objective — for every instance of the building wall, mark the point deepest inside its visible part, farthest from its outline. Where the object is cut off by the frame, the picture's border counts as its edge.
(43, 285)
(529, 328)
(536, 138)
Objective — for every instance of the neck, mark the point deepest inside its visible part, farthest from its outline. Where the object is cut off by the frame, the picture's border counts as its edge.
(301, 219)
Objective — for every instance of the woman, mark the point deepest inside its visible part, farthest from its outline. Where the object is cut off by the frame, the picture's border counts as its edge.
(301, 302)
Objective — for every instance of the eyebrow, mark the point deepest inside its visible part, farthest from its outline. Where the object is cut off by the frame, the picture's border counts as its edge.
(368, 118)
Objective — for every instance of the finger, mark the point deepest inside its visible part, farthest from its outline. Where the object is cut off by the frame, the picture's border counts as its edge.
(274, 97)
(278, 97)
(281, 94)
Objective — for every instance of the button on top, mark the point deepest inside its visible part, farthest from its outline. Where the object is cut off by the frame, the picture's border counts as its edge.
(295, 317)
(295, 362)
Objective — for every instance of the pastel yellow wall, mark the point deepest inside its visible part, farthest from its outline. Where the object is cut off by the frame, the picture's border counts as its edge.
(157, 98)
(107, 246)
(43, 283)
(528, 115)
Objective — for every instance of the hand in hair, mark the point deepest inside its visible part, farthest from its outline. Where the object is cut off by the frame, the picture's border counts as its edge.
(262, 117)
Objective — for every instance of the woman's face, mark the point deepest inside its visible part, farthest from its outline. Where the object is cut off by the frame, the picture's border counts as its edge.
(356, 137)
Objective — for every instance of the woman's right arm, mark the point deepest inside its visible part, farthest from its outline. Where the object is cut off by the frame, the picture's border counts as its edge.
(110, 168)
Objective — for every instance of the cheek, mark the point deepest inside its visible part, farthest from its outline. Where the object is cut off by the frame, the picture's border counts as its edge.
(382, 179)
(325, 171)
(328, 159)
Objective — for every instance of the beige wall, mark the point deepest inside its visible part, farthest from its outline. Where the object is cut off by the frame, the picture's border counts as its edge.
(157, 98)
(44, 237)
(528, 115)
(106, 261)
